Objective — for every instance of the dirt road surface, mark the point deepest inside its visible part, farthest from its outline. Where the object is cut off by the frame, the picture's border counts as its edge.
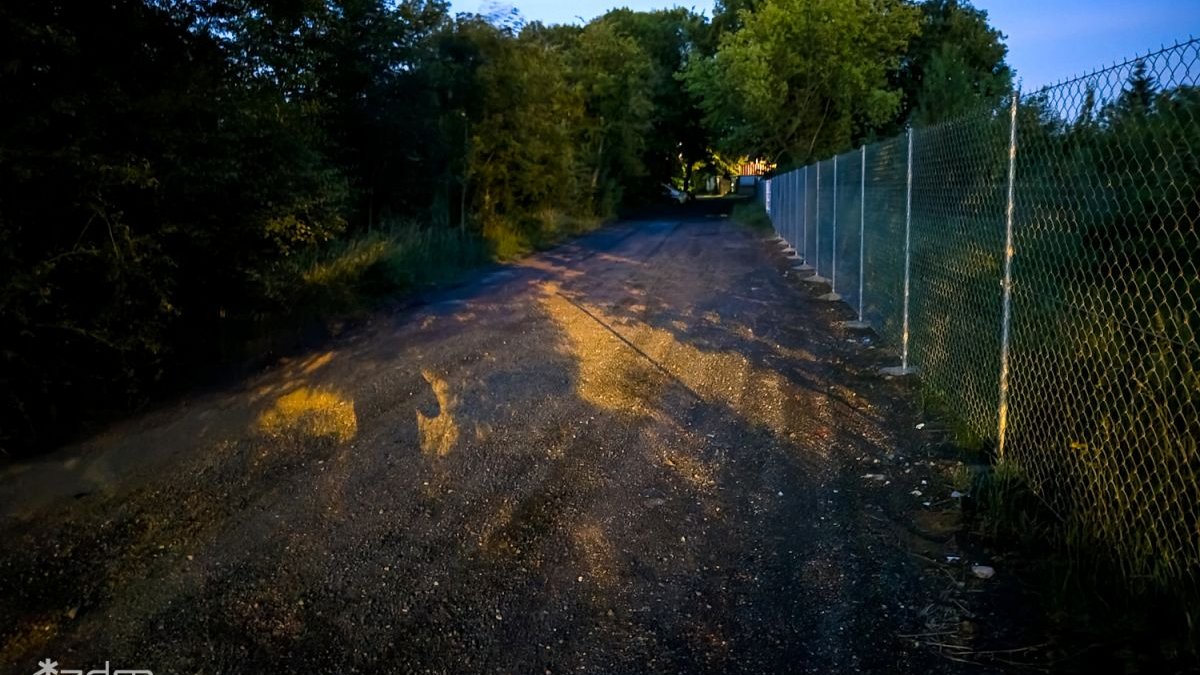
(640, 452)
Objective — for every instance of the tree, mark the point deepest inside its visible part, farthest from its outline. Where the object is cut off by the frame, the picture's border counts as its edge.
(146, 191)
(803, 78)
(728, 16)
(359, 72)
(615, 80)
(678, 138)
(1137, 99)
(522, 154)
(953, 66)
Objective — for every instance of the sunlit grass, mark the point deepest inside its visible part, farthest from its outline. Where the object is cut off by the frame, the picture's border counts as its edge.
(311, 412)
(511, 238)
(751, 214)
(351, 275)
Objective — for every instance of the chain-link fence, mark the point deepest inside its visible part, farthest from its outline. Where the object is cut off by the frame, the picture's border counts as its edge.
(1038, 265)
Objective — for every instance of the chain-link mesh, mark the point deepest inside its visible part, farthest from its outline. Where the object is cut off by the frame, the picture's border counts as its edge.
(785, 207)
(848, 246)
(1105, 412)
(823, 263)
(883, 248)
(959, 191)
(797, 224)
(1099, 405)
(789, 205)
(798, 214)
(763, 195)
(809, 214)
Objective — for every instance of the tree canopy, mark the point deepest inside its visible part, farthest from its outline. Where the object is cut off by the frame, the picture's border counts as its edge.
(954, 64)
(803, 78)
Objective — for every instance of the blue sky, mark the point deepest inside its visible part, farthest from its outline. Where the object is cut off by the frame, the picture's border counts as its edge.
(1048, 40)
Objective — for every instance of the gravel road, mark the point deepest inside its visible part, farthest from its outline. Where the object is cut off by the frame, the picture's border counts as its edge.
(640, 452)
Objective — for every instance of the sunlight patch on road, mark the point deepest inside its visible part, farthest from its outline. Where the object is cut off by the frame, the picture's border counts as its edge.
(292, 371)
(606, 379)
(315, 363)
(609, 257)
(440, 432)
(628, 370)
(311, 411)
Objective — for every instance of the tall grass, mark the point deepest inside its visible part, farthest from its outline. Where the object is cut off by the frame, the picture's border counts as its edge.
(514, 237)
(353, 275)
(751, 214)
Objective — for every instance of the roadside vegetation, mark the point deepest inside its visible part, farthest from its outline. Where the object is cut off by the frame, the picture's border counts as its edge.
(751, 214)
(1092, 615)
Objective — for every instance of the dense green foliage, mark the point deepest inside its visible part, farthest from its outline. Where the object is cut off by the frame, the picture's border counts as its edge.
(953, 66)
(798, 80)
(801, 77)
(179, 178)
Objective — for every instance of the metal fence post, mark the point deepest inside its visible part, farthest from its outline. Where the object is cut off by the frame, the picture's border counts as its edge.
(760, 195)
(769, 206)
(832, 295)
(787, 210)
(816, 277)
(785, 201)
(903, 368)
(804, 220)
(791, 211)
(817, 221)
(804, 266)
(1006, 284)
(862, 230)
(793, 201)
(862, 246)
(833, 236)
